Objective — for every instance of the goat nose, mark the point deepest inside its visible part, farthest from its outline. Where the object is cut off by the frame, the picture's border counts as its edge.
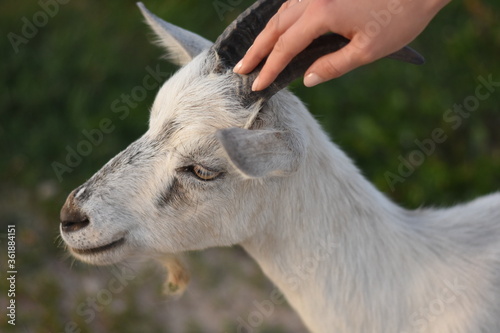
(72, 217)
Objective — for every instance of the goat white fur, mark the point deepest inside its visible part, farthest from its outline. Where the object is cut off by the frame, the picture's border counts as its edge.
(346, 258)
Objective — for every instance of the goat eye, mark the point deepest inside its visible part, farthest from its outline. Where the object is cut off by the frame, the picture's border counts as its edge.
(203, 173)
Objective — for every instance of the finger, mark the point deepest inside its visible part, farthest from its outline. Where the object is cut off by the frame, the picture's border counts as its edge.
(288, 45)
(265, 41)
(337, 64)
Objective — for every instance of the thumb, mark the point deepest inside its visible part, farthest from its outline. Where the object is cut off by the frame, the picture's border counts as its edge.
(336, 64)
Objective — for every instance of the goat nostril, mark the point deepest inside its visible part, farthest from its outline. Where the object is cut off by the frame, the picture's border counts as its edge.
(69, 226)
(72, 217)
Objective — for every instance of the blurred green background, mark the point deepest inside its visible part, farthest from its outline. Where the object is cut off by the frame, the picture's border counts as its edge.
(62, 80)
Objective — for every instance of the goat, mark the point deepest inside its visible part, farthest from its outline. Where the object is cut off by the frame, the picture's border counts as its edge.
(222, 165)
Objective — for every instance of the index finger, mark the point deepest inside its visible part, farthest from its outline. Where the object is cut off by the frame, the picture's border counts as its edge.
(265, 41)
(289, 44)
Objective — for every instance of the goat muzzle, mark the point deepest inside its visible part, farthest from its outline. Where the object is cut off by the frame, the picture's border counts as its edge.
(72, 217)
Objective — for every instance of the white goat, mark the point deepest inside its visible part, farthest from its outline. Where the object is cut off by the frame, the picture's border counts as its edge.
(220, 165)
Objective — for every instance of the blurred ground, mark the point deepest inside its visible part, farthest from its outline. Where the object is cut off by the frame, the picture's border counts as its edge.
(62, 77)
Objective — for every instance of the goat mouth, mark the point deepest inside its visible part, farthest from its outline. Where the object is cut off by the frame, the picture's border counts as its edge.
(100, 249)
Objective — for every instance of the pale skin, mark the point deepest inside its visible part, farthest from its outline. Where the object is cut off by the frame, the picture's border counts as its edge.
(376, 28)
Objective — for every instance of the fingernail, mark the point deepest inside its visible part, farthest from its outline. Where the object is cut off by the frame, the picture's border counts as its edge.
(312, 79)
(255, 85)
(238, 66)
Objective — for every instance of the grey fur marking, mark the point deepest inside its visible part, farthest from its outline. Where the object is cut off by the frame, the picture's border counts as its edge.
(173, 194)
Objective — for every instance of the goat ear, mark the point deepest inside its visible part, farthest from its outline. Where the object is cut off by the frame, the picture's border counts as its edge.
(260, 153)
(182, 45)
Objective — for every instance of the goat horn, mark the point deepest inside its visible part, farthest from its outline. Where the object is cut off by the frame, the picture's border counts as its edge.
(233, 43)
(240, 34)
(319, 47)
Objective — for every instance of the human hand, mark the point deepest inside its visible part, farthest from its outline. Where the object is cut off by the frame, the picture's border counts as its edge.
(376, 28)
